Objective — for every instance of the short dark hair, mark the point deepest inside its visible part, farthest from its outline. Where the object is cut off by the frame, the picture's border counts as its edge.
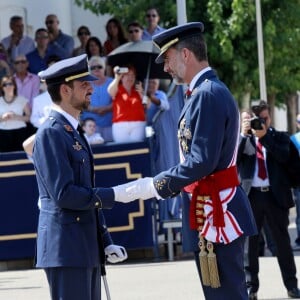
(84, 121)
(262, 105)
(135, 24)
(52, 59)
(196, 44)
(14, 19)
(54, 90)
(85, 28)
(40, 30)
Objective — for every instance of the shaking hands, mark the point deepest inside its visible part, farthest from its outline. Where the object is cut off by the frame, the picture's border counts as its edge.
(142, 188)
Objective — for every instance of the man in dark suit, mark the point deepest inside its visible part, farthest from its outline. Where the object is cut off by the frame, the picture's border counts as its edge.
(219, 212)
(72, 236)
(262, 153)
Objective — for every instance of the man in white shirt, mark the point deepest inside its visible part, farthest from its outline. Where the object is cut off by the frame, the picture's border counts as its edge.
(41, 107)
(17, 43)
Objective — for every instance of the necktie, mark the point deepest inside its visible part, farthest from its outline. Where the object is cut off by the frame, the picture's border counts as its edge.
(188, 93)
(262, 171)
(80, 130)
(81, 133)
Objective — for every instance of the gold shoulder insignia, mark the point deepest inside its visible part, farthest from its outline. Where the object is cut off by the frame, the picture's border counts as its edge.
(68, 128)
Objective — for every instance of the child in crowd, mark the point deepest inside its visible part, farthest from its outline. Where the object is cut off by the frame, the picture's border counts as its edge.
(89, 127)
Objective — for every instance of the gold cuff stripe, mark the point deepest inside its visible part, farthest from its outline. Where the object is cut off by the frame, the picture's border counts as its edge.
(73, 77)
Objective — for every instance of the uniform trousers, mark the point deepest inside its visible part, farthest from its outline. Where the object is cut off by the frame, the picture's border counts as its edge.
(230, 260)
(264, 206)
(68, 283)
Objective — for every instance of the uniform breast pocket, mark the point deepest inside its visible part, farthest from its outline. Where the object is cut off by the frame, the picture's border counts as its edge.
(81, 167)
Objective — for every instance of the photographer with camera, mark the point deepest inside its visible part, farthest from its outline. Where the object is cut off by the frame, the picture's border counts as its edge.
(262, 153)
(129, 117)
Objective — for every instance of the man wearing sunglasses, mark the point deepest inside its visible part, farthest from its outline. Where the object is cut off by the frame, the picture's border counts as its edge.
(100, 108)
(28, 84)
(152, 20)
(135, 31)
(63, 41)
(17, 43)
(38, 58)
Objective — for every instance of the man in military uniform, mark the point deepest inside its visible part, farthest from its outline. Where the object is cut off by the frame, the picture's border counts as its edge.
(208, 131)
(72, 237)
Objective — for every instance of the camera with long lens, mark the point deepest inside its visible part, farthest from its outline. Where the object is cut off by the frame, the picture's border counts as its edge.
(256, 123)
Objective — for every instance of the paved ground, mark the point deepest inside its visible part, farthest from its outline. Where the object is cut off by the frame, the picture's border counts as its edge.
(146, 281)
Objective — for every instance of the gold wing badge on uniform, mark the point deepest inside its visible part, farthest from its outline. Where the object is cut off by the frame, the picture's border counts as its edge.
(77, 146)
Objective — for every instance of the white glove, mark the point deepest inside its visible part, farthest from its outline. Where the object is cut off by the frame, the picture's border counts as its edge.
(141, 188)
(115, 253)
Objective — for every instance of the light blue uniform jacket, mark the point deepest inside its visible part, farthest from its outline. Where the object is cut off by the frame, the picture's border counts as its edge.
(71, 225)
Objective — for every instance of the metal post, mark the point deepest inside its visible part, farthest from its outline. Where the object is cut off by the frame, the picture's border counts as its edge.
(181, 12)
(260, 47)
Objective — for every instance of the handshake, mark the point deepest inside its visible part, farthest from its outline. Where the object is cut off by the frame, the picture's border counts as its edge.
(142, 188)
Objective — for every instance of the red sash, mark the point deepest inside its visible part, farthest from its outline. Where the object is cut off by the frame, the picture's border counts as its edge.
(211, 186)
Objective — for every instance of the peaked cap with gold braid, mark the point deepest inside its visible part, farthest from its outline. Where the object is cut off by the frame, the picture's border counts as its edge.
(168, 38)
(66, 70)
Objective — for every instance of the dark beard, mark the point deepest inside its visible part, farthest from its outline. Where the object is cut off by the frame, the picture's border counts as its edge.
(82, 106)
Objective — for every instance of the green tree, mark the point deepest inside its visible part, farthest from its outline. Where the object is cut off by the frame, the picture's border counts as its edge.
(235, 51)
(230, 30)
(132, 10)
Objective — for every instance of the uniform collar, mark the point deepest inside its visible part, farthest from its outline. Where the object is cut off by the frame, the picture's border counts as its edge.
(74, 122)
(197, 76)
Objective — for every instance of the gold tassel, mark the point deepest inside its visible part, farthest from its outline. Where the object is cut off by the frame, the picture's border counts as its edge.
(203, 262)
(212, 266)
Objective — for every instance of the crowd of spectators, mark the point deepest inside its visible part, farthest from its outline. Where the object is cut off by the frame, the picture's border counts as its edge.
(23, 58)
(117, 112)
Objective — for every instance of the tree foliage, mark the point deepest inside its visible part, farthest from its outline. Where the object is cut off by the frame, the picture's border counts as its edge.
(132, 10)
(230, 27)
